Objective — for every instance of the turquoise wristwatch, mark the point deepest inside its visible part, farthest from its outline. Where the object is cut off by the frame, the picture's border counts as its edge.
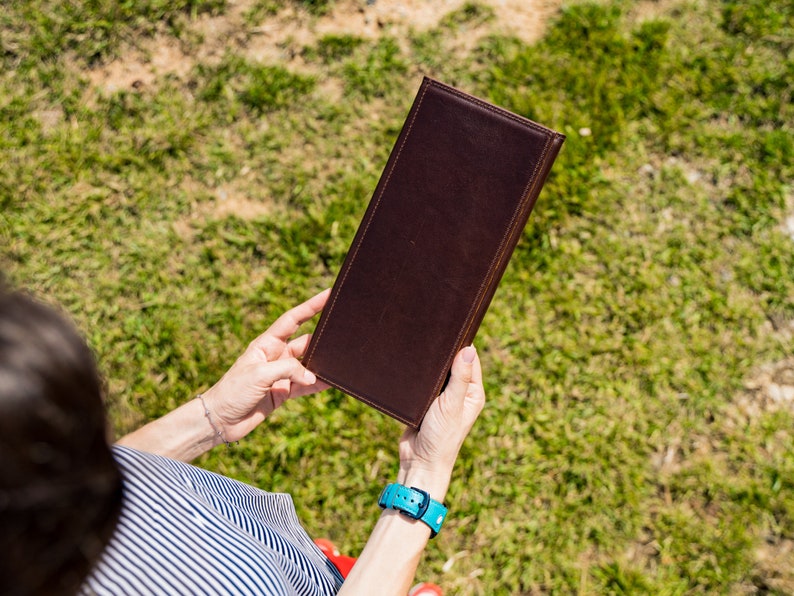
(414, 503)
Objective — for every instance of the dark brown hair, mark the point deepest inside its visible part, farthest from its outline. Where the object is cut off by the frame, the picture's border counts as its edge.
(60, 489)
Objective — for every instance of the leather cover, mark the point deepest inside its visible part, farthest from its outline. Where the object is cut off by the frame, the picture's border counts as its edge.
(435, 240)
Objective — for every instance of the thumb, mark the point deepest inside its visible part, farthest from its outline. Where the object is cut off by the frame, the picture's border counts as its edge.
(461, 375)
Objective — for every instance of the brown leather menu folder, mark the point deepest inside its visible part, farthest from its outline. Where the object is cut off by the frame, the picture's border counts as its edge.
(435, 240)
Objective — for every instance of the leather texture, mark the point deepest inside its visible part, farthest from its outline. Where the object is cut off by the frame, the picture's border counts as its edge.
(445, 217)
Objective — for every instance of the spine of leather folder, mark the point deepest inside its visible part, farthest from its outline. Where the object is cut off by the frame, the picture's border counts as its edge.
(528, 203)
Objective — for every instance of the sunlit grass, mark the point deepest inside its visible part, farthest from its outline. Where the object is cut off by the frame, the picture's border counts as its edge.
(616, 454)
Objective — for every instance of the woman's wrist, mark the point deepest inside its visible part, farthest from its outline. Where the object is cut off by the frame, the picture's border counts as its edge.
(213, 421)
(199, 428)
(183, 433)
(433, 482)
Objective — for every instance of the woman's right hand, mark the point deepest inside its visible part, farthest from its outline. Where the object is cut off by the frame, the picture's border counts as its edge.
(428, 455)
(388, 563)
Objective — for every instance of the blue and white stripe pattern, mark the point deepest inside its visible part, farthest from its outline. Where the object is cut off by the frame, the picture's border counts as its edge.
(184, 530)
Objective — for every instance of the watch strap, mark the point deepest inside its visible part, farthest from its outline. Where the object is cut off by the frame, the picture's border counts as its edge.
(414, 503)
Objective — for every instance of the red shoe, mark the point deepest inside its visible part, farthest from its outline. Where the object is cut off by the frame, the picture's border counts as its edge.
(426, 589)
(343, 563)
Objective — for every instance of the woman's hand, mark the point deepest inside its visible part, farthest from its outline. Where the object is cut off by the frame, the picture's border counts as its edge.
(390, 558)
(428, 455)
(267, 374)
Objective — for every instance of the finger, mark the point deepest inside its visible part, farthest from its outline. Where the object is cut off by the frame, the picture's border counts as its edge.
(290, 321)
(280, 392)
(273, 348)
(301, 390)
(476, 369)
(475, 397)
(461, 374)
(286, 369)
(283, 389)
(297, 347)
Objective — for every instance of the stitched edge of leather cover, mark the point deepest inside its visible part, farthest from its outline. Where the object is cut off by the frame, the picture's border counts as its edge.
(484, 294)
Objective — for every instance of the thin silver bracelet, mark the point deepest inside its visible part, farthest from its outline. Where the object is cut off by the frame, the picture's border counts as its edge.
(212, 424)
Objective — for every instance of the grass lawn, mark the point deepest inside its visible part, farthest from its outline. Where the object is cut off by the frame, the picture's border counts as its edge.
(639, 353)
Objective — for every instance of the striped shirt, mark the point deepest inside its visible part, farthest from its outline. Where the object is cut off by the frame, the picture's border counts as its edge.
(184, 530)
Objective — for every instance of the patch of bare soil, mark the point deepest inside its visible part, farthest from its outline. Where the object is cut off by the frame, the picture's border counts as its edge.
(228, 200)
(775, 567)
(281, 37)
(771, 389)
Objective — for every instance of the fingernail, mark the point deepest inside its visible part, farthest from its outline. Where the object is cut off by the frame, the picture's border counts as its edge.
(308, 376)
(468, 354)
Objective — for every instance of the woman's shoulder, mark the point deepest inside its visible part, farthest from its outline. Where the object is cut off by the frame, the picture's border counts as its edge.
(156, 469)
(233, 529)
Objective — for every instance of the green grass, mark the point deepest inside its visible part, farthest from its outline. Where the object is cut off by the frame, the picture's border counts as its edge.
(655, 280)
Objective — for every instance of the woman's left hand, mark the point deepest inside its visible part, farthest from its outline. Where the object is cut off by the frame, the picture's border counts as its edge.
(266, 375)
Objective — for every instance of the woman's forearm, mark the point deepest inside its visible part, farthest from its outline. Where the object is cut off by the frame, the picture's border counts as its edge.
(387, 565)
(184, 434)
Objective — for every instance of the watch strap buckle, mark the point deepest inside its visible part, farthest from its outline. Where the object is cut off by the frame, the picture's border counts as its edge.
(407, 502)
